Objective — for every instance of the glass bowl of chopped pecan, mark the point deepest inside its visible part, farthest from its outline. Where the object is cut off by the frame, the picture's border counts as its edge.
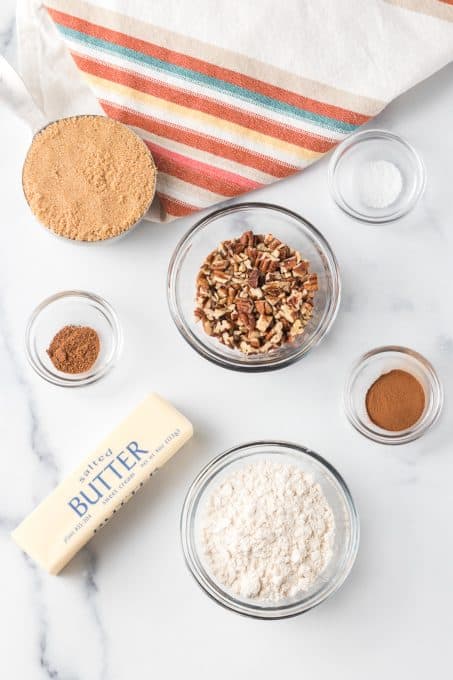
(253, 287)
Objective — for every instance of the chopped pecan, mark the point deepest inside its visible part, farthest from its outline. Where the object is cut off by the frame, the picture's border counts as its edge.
(255, 293)
(289, 263)
(254, 277)
(263, 322)
(263, 263)
(247, 320)
(238, 248)
(297, 328)
(219, 263)
(271, 242)
(295, 299)
(244, 306)
(276, 334)
(301, 269)
(288, 313)
(260, 306)
(207, 327)
(311, 283)
(247, 238)
(220, 276)
(284, 251)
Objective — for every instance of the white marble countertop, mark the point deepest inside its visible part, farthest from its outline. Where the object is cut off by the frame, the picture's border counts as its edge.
(126, 607)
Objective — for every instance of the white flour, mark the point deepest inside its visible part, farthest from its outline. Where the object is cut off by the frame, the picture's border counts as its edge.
(380, 183)
(267, 531)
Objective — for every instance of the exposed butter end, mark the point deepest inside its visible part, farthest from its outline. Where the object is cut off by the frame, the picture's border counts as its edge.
(84, 502)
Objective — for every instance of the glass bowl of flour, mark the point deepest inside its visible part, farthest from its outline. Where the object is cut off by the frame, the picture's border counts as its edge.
(269, 529)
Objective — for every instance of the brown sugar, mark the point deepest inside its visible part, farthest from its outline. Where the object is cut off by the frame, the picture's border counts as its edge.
(74, 349)
(88, 178)
(395, 401)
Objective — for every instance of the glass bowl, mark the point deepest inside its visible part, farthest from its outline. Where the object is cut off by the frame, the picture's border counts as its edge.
(368, 369)
(348, 161)
(346, 539)
(72, 308)
(230, 223)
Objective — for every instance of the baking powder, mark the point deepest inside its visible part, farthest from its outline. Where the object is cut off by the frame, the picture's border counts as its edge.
(380, 183)
(267, 531)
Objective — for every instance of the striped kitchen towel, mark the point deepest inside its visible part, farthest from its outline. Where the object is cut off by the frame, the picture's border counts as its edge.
(230, 95)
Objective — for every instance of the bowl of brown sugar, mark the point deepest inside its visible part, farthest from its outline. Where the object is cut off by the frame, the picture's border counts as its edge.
(88, 178)
(393, 395)
(73, 338)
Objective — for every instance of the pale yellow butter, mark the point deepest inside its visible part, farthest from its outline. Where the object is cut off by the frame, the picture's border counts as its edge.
(70, 516)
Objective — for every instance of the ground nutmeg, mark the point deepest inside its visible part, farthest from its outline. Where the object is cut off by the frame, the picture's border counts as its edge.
(395, 401)
(74, 349)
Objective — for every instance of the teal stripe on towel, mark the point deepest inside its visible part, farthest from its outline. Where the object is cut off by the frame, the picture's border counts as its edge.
(214, 83)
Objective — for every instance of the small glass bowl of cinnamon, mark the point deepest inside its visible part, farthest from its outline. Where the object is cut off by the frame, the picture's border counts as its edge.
(73, 338)
(393, 395)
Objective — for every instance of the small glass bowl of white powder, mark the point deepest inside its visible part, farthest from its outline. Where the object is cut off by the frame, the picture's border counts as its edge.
(269, 529)
(376, 176)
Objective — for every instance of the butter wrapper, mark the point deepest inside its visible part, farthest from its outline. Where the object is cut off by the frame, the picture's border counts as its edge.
(75, 511)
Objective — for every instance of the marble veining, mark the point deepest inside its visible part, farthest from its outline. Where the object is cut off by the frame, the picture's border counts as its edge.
(49, 470)
(38, 444)
(91, 591)
(7, 30)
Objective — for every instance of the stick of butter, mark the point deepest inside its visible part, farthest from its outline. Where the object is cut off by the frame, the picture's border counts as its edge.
(70, 516)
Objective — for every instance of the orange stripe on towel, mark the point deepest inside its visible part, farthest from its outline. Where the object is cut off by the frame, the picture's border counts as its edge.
(201, 174)
(175, 208)
(208, 69)
(213, 145)
(217, 108)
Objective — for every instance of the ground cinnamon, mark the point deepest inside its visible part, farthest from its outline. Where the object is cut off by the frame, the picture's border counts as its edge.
(395, 401)
(74, 349)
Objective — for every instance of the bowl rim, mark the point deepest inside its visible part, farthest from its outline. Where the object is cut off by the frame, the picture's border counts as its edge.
(208, 473)
(358, 138)
(58, 378)
(236, 364)
(420, 427)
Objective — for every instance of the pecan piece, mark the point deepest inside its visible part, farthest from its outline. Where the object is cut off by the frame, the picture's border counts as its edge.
(260, 306)
(207, 327)
(288, 313)
(254, 293)
(296, 328)
(244, 305)
(301, 269)
(247, 238)
(247, 320)
(263, 322)
(311, 283)
(219, 276)
(254, 277)
(289, 263)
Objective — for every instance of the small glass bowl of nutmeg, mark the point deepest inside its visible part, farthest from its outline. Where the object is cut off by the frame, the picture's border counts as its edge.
(73, 338)
(253, 287)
